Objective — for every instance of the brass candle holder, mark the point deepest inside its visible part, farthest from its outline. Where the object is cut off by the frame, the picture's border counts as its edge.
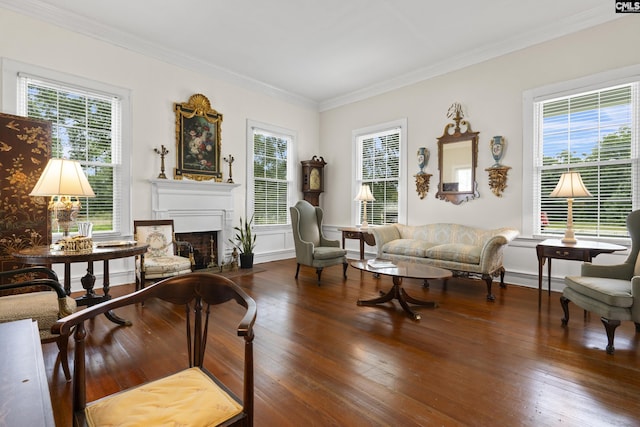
(163, 152)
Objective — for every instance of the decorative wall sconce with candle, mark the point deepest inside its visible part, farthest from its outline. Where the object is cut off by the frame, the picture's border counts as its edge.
(63, 179)
(422, 178)
(497, 172)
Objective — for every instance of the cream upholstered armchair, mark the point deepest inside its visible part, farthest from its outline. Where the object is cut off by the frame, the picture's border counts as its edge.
(312, 247)
(163, 258)
(35, 293)
(609, 290)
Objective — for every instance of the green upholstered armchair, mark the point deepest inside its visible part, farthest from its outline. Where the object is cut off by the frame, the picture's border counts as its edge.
(42, 299)
(609, 290)
(312, 248)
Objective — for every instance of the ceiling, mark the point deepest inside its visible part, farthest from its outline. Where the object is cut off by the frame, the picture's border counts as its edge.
(321, 53)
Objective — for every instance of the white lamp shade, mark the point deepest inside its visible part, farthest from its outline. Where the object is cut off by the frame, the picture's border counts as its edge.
(63, 177)
(570, 186)
(365, 194)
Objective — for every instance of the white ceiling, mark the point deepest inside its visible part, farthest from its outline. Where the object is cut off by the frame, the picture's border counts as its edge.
(321, 53)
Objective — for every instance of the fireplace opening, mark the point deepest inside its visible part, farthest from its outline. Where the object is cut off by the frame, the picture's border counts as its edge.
(205, 244)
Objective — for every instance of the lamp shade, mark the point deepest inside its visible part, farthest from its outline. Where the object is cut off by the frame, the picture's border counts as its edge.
(365, 194)
(63, 177)
(570, 186)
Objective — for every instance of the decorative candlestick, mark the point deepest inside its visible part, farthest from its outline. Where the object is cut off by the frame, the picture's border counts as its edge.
(163, 152)
(230, 160)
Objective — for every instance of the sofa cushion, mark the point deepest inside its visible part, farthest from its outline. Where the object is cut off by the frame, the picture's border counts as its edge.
(456, 252)
(407, 247)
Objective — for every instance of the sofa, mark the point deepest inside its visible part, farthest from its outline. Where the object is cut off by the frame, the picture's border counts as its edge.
(466, 251)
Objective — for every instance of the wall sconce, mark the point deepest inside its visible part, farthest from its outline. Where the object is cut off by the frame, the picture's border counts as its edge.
(365, 196)
(63, 179)
(570, 186)
(497, 172)
(422, 178)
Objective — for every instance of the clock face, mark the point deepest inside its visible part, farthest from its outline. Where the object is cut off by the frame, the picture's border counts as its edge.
(314, 179)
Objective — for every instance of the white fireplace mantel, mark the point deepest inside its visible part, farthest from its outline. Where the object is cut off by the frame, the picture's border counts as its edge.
(195, 206)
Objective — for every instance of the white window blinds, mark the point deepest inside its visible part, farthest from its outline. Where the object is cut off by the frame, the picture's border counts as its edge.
(86, 127)
(271, 154)
(380, 169)
(594, 133)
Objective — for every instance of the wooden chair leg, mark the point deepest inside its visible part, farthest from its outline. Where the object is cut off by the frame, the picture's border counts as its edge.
(319, 272)
(610, 326)
(297, 270)
(344, 269)
(63, 342)
(564, 302)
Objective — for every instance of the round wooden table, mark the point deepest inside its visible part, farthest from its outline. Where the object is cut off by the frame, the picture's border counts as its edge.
(44, 255)
(399, 271)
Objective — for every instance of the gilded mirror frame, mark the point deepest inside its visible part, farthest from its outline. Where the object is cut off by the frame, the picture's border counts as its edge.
(455, 135)
(198, 141)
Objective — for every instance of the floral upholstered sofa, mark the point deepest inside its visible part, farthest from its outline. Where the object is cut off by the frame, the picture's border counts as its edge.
(466, 251)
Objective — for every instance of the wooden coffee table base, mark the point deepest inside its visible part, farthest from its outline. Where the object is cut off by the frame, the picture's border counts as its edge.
(398, 292)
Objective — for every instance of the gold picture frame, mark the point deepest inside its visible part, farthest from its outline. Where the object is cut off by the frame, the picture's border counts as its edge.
(198, 141)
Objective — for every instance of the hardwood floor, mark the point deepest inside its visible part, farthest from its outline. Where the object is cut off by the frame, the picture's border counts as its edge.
(321, 360)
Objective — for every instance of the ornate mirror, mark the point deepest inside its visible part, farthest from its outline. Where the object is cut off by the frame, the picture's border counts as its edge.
(457, 160)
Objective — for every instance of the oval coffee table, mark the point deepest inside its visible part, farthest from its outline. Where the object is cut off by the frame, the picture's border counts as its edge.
(399, 271)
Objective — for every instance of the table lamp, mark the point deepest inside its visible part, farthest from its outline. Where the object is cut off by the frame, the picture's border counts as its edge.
(365, 196)
(63, 179)
(570, 186)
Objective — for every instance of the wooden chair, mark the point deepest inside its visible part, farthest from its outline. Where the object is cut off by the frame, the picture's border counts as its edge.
(36, 293)
(163, 258)
(192, 396)
(312, 247)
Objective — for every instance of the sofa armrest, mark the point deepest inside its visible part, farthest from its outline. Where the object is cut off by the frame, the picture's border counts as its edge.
(618, 271)
(492, 250)
(384, 234)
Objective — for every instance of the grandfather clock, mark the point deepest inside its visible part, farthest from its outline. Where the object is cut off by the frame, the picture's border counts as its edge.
(313, 179)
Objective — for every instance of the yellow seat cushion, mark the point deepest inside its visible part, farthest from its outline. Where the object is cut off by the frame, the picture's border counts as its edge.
(187, 398)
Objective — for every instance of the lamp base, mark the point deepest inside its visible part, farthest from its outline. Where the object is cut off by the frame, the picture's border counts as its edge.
(569, 237)
(364, 224)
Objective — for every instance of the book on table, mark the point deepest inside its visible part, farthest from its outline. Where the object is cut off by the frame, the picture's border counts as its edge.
(380, 263)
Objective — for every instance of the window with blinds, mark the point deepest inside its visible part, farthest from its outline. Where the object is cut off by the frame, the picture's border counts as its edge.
(594, 133)
(271, 155)
(380, 169)
(86, 127)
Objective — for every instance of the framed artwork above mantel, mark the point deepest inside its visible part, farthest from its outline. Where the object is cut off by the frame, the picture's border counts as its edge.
(198, 140)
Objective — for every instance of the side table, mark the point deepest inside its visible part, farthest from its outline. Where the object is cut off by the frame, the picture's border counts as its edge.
(360, 234)
(583, 251)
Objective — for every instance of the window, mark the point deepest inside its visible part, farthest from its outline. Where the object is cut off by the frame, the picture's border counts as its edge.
(270, 174)
(379, 154)
(87, 125)
(593, 131)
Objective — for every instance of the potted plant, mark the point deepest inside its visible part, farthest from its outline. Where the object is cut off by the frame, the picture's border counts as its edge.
(245, 242)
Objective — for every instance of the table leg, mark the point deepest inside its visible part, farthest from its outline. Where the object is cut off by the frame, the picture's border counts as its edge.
(397, 292)
(90, 298)
(361, 247)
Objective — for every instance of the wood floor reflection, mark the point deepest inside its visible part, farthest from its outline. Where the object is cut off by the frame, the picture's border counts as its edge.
(321, 360)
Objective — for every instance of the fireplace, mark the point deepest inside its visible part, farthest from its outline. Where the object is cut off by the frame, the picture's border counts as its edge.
(205, 244)
(199, 208)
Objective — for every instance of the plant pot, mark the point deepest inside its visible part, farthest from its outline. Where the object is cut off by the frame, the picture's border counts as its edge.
(246, 260)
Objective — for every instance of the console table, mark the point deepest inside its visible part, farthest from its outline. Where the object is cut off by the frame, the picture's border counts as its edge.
(360, 234)
(43, 255)
(25, 391)
(583, 251)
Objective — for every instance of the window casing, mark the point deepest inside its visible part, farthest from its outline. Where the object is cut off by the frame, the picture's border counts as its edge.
(591, 129)
(90, 123)
(270, 171)
(380, 153)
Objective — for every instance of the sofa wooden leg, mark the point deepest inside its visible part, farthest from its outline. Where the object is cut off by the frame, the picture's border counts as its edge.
(319, 272)
(564, 302)
(610, 326)
(637, 326)
(344, 269)
(297, 270)
(489, 280)
(502, 285)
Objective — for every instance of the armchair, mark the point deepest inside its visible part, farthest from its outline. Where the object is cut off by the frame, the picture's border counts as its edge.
(609, 290)
(191, 396)
(37, 302)
(163, 258)
(312, 247)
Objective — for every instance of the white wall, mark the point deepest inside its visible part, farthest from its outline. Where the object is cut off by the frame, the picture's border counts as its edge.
(155, 86)
(491, 96)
